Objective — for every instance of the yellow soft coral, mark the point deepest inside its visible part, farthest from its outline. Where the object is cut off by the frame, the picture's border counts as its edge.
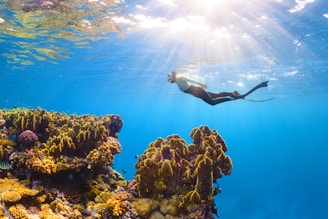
(144, 206)
(47, 213)
(18, 212)
(116, 204)
(45, 165)
(12, 191)
(103, 154)
(116, 207)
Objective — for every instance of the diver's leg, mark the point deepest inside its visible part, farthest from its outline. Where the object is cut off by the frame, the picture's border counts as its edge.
(200, 93)
(221, 94)
(205, 96)
(263, 84)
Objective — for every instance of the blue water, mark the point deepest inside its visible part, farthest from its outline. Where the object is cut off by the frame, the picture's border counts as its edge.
(278, 148)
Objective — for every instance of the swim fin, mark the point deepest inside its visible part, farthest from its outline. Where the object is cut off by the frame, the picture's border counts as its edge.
(263, 84)
(251, 100)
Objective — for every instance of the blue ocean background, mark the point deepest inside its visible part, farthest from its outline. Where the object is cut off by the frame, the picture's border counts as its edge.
(278, 148)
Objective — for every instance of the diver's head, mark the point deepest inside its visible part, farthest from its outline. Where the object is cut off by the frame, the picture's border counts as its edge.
(171, 77)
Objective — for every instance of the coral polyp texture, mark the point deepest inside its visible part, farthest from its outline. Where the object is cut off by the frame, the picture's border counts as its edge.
(54, 165)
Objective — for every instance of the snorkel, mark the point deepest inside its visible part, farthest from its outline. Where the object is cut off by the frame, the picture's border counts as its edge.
(171, 77)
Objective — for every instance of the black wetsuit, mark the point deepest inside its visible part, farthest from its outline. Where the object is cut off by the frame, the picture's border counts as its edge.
(216, 98)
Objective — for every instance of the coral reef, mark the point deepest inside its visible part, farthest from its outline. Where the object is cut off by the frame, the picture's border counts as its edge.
(61, 166)
(73, 151)
(169, 169)
(12, 191)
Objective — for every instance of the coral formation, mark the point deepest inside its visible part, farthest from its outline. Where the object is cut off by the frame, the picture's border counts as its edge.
(18, 212)
(60, 166)
(12, 191)
(169, 167)
(27, 138)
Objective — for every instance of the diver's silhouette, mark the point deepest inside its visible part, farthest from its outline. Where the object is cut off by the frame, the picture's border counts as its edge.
(185, 85)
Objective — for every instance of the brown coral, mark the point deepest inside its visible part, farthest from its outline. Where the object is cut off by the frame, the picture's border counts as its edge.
(65, 142)
(169, 167)
(112, 203)
(103, 155)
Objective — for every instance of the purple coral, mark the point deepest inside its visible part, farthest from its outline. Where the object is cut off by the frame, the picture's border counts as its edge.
(27, 138)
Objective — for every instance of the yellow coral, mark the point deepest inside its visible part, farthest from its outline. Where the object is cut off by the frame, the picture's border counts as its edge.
(166, 169)
(170, 167)
(47, 213)
(18, 212)
(46, 165)
(103, 196)
(10, 196)
(60, 142)
(103, 154)
(7, 143)
(12, 191)
(144, 206)
(116, 206)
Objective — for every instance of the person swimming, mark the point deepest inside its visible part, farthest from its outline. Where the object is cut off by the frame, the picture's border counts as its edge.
(186, 85)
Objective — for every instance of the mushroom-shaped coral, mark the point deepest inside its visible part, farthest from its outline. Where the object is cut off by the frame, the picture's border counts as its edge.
(27, 138)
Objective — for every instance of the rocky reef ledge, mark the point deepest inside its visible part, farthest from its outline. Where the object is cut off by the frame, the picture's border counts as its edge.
(54, 165)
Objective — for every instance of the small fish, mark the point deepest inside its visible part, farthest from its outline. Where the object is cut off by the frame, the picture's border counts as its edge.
(5, 166)
(13, 137)
(124, 171)
(136, 156)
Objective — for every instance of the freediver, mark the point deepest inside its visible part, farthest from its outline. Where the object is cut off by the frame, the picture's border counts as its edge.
(187, 85)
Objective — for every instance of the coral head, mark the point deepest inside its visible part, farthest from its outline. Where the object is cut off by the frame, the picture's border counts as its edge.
(27, 138)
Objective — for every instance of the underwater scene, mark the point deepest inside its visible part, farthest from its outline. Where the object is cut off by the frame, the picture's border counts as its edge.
(163, 109)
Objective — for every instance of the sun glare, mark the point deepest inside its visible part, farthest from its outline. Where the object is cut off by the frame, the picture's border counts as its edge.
(233, 26)
(210, 32)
